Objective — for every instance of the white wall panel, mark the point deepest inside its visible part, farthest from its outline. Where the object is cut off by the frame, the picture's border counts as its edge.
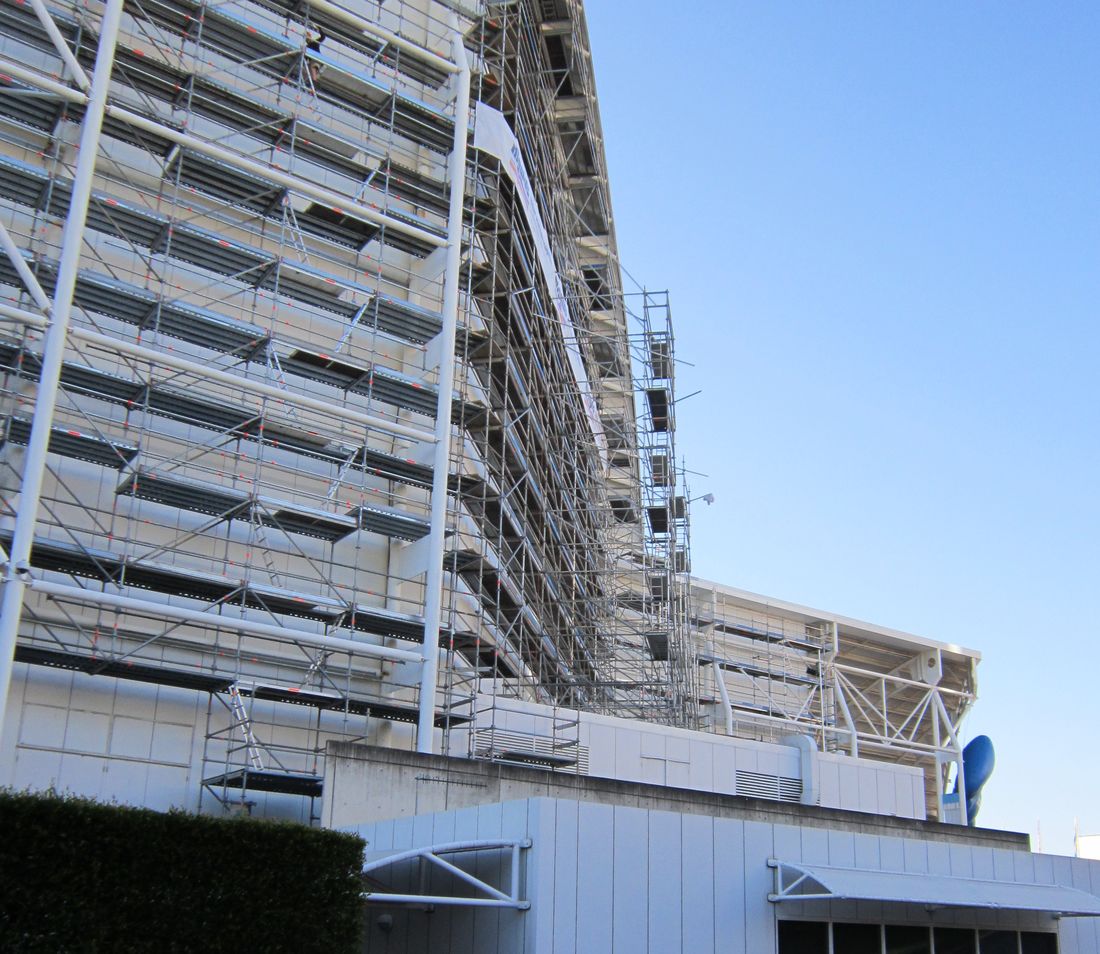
(962, 862)
(725, 769)
(596, 840)
(627, 755)
(538, 923)
(915, 855)
(652, 745)
(630, 874)
(939, 858)
(701, 767)
(786, 842)
(567, 861)
(828, 782)
(842, 849)
(36, 768)
(123, 781)
(664, 904)
(43, 726)
(697, 875)
(489, 867)
(165, 787)
(729, 886)
(849, 788)
(982, 862)
(758, 881)
(87, 731)
(887, 801)
(131, 737)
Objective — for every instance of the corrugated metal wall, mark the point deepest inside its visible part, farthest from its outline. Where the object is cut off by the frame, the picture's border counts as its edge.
(604, 878)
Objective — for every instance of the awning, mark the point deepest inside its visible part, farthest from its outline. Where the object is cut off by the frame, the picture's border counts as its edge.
(437, 855)
(795, 881)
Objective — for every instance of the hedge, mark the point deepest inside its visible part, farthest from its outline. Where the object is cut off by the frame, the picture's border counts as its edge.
(77, 875)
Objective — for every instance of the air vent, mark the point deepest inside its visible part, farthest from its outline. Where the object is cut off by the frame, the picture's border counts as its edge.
(560, 755)
(762, 785)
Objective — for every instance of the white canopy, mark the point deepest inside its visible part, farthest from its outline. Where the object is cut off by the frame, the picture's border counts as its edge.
(795, 881)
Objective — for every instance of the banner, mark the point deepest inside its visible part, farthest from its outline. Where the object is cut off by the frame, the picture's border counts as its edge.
(493, 135)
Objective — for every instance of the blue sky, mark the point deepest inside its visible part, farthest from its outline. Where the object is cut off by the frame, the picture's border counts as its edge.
(880, 226)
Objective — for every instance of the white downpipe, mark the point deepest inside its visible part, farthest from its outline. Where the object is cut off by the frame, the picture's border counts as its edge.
(725, 694)
(441, 459)
(61, 46)
(80, 594)
(34, 464)
(842, 701)
(333, 199)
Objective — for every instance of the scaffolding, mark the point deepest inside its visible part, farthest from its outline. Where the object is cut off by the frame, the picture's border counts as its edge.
(252, 206)
(243, 465)
(559, 590)
(240, 449)
(770, 670)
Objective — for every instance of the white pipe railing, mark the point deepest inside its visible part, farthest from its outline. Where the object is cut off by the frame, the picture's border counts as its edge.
(724, 692)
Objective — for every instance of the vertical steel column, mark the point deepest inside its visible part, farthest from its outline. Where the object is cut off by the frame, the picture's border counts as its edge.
(960, 777)
(441, 460)
(18, 567)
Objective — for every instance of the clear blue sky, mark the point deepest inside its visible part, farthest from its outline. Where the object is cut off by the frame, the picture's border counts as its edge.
(880, 224)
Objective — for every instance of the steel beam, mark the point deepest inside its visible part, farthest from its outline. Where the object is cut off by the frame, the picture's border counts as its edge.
(60, 45)
(441, 459)
(17, 571)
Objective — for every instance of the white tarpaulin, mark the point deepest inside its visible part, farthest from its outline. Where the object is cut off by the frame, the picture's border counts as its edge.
(493, 135)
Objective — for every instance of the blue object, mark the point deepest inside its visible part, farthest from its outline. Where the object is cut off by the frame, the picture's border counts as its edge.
(978, 763)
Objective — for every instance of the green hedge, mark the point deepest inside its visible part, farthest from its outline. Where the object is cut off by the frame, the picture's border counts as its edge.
(76, 875)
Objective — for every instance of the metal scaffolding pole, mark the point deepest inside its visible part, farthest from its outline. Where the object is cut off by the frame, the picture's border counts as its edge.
(17, 571)
(441, 460)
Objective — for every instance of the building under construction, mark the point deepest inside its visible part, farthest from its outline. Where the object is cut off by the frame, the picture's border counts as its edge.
(341, 381)
(327, 427)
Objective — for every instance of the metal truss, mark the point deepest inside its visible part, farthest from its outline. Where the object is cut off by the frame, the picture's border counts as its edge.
(430, 856)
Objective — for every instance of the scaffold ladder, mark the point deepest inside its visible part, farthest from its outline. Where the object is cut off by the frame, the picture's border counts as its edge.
(244, 723)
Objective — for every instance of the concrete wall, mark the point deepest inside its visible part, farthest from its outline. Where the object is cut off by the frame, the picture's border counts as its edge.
(365, 783)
